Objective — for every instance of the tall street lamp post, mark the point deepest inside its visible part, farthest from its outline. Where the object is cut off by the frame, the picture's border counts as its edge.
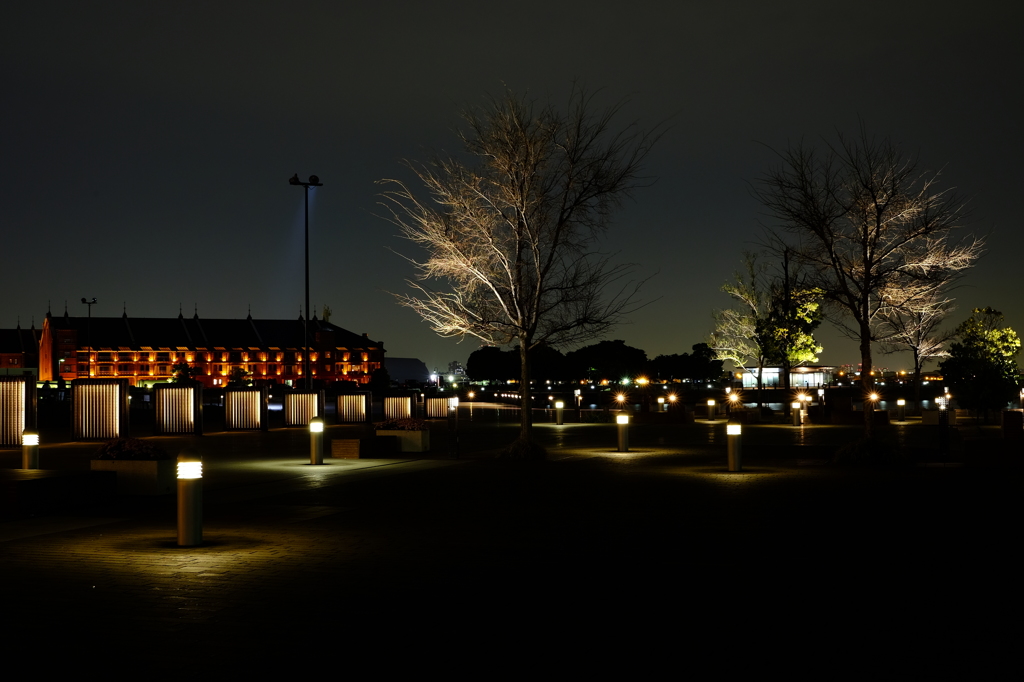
(314, 181)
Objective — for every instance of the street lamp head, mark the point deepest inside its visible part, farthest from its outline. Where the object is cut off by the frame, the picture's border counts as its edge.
(314, 180)
(294, 180)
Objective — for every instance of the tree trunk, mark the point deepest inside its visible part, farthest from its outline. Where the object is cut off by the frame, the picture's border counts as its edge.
(917, 380)
(525, 395)
(524, 447)
(866, 380)
(787, 395)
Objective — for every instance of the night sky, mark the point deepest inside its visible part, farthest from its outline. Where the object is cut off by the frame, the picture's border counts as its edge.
(147, 146)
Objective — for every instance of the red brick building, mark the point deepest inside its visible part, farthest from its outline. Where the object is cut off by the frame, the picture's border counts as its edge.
(144, 350)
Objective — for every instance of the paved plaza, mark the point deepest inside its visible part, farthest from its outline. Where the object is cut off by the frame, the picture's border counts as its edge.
(661, 545)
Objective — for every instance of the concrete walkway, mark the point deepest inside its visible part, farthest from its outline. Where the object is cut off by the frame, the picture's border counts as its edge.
(371, 559)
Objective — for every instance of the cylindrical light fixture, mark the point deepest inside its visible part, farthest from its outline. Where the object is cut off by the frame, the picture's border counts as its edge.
(316, 440)
(733, 432)
(623, 424)
(29, 450)
(190, 500)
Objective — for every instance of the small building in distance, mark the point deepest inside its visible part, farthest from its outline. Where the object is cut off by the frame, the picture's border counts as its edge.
(144, 350)
(805, 376)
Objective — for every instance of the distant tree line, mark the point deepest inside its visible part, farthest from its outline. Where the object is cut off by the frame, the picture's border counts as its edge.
(612, 360)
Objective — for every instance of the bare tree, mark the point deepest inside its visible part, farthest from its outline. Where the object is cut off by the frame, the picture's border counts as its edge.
(875, 232)
(915, 328)
(511, 239)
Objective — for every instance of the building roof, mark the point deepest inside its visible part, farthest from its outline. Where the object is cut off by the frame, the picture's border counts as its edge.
(182, 333)
(19, 340)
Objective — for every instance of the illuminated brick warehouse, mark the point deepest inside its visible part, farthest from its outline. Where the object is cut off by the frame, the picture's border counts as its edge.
(144, 350)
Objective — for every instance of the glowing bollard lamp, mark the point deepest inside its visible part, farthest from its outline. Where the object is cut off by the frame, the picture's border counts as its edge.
(901, 410)
(453, 426)
(316, 440)
(559, 408)
(623, 421)
(797, 416)
(190, 500)
(711, 410)
(29, 450)
(732, 432)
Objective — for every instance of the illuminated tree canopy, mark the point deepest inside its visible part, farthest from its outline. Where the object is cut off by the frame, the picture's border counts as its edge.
(874, 233)
(982, 366)
(511, 230)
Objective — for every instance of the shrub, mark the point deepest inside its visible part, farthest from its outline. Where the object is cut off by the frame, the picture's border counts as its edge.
(401, 425)
(130, 448)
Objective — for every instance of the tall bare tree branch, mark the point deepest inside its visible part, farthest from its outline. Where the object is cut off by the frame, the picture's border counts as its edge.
(875, 232)
(511, 238)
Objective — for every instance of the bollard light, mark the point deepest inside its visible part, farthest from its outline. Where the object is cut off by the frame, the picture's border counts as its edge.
(29, 450)
(190, 500)
(797, 417)
(559, 408)
(623, 421)
(453, 426)
(901, 410)
(733, 432)
(711, 409)
(316, 440)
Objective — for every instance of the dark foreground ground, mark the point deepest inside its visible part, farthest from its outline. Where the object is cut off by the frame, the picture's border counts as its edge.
(658, 559)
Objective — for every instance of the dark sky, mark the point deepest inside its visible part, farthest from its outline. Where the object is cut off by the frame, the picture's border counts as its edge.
(147, 146)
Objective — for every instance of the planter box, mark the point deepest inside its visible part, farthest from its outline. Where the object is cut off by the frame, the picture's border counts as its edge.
(140, 476)
(346, 448)
(409, 441)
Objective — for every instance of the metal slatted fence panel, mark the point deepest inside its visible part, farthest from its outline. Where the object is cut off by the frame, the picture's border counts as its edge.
(97, 411)
(352, 408)
(12, 411)
(437, 408)
(397, 407)
(242, 409)
(175, 409)
(300, 408)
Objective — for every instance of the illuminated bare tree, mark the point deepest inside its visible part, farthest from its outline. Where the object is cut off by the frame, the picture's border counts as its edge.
(774, 323)
(868, 225)
(738, 335)
(511, 238)
(915, 328)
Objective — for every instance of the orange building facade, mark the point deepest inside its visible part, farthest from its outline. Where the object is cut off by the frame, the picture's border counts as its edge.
(145, 350)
